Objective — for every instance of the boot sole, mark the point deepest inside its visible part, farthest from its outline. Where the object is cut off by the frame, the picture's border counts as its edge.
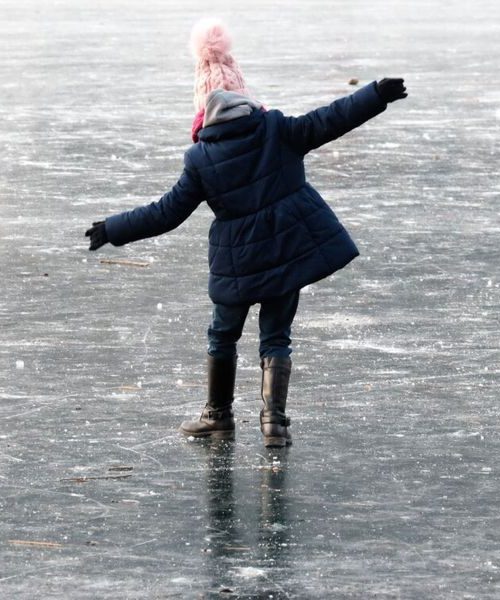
(276, 442)
(217, 435)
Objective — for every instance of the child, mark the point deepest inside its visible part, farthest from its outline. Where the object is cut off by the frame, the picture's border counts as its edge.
(272, 235)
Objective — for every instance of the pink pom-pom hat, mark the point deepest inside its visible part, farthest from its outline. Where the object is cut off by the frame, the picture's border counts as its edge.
(215, 68)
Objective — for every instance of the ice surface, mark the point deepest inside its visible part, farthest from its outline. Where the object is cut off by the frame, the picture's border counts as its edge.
(391, 487)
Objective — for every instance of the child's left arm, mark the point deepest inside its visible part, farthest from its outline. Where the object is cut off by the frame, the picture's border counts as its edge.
(327, 123)
(153, 219)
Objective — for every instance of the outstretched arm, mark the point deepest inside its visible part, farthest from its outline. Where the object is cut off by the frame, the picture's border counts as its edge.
(327, 123)
(153, 219)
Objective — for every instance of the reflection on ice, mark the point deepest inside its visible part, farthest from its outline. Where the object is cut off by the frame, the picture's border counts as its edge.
(390, 488)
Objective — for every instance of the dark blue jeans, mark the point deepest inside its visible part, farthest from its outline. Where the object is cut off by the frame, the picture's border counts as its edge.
(275, 324)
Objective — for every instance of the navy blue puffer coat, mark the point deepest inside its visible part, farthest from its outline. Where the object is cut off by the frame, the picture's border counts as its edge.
(272, 233)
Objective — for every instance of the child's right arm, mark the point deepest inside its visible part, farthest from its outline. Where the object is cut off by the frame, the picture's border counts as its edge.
(153, 219)
(158, 217)
(327, 123)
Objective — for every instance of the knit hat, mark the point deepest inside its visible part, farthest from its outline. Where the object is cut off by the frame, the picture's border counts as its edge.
(210, 44)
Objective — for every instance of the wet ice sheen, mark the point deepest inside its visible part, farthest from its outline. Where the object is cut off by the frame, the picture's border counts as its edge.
(390, 490)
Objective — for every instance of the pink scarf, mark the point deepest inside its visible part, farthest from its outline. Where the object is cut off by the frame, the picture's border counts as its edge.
(197, 125)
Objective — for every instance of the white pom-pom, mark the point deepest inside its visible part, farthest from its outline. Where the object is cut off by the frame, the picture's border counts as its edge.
(210, 39)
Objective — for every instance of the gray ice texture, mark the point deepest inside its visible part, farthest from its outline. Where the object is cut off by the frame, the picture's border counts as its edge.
(391, 489)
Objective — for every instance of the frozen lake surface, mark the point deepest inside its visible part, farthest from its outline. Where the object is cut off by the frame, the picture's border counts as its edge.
(391, 489)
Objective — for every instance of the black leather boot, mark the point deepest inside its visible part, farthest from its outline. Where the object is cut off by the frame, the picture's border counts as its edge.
(273, 421)
(217, 419)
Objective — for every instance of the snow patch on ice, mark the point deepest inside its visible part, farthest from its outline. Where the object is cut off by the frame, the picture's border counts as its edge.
(183, 580)
(250, 572)
(368, 345)
(342, 320)
(461, 433)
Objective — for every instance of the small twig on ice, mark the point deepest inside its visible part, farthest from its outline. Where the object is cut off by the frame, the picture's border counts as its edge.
(124, 262)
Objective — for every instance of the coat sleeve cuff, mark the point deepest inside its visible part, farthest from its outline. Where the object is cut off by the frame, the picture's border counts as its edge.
(117, 229)
(369, 97)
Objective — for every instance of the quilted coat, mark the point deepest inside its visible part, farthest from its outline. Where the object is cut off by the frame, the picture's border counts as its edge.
(272, 232)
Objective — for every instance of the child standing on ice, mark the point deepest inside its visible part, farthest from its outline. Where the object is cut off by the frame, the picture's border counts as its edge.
(272, 234)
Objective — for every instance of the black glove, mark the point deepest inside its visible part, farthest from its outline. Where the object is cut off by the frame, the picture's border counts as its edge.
(97, 234)
(391, 89)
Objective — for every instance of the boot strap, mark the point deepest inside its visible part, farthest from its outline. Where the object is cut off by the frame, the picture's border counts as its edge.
(275, 418)
(218, 413)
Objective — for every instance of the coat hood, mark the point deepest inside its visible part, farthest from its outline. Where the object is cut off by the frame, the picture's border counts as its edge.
(223, 106)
